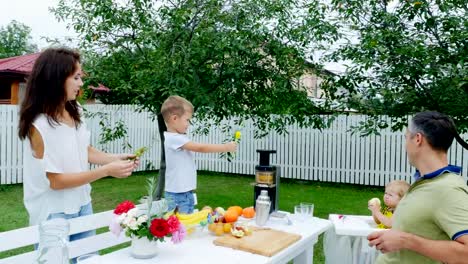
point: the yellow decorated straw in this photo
(139, 152)
(237, 135)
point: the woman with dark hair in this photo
(56, 174)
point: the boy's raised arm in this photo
(210, 148)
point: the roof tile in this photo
(19, 64)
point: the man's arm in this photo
(441, 250)
(210, 148)
(445, 251)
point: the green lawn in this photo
(214, 189)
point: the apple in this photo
(206, 207)
(220, 210)
(375, 201)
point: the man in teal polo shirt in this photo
(430, 224)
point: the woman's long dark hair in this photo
(45, 90)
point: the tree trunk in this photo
(158, 194)
(460, 140)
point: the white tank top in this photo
(65, 151)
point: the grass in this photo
(214, 189)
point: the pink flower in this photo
(123, 207)
(114, 226)
(179, 235)
(173, 223)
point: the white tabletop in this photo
(199, 248)
(353, 225)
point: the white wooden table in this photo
(199, 248)
(346, 242)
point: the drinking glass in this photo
(53, 236)
(308, 210)
(299, 212)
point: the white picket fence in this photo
(331, 155)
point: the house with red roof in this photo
(14, 72)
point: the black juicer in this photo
(267, 178)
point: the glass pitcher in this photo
(53, 237)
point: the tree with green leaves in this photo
(15, 40)
(234, 58)
(403, 57)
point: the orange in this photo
(230, 216)
(248, 212)
(237, 209)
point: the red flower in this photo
(159, 227)
(173, 223)
(123, 207)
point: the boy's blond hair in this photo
(399, 186)
(175, 105)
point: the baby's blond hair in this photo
(175, 105)
(399, 186)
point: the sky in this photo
(35, 14)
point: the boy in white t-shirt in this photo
(181, 171)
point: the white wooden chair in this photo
(30, 235)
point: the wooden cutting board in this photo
(262, 241)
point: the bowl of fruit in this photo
(230, 221)
(221, 221)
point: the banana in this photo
(193, 219)
(191, 216)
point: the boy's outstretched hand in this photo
(231, 146)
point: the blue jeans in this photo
(184, 201)
(84, 210)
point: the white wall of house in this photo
(311, 83)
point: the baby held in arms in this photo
(394, 191)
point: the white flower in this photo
(133, 212)
(128, 220)
(133, 224)
(142, 219)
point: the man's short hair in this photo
(437, 128)
(175, 105)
